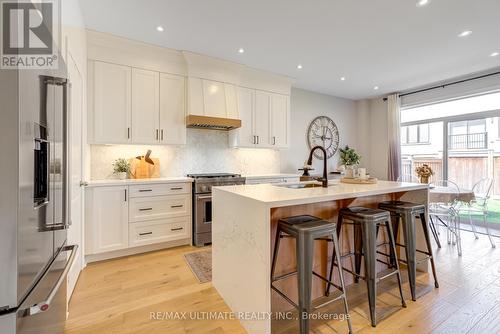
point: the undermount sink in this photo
(299, 185)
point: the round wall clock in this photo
(323, 132)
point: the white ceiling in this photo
(392, 44)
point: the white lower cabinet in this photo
(122, 217)
(161, 230)
(106, 227)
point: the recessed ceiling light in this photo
(494, 54)
(465, 33)
(376, 87)
(160, 28)
(241, 50)
(342, 78)
(422, 3)
(299, 66)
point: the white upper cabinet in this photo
(145, 106)
(280, 120)
(109, 103)
(135, 106)
(265, 119)
(172, 109)
(244, 136)
(262, 118)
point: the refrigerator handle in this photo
(45, 305)
(67, 154)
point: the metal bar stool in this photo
(366, 223)
(407, 212)
(306, 229)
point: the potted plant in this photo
(424, 172)
(121, 168)
(349, 158)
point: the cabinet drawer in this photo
(159, 207)
(150, 232)
(159, 189)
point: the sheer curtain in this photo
(394, 129)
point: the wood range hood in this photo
(212, 123)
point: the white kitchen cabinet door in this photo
(262, 119)
(109, 103)
(106, 219)
(279, 120)
(244, 136)
(214, 99)
(145, 106)
(231, 101)
(172, 109)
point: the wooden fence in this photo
(465, 171)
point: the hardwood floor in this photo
(117, 296)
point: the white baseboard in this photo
(135, 250)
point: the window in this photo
(415, 134)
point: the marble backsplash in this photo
(207, 151)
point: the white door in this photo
(75, 232)
(262, 118)
(107, 219)
(214, 98)
(244, 136)
(172, 109)
(279, 120)
(109, 103)
(145, 106)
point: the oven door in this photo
(203, 212)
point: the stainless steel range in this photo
(202, 202)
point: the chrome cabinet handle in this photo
(257, 140)
(176, 229)
(162, 134)
(145, 190)
(84, 184)
(157, 134)
(176, 188)
(146, 233)
(128, 133)
(176, 206)
(146, 209)
(274, 140)
(125, 195)
(45, 305)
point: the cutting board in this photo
(354, 180)
(140, 169)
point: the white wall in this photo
(374, 139)
(206, 151)
(304, 107)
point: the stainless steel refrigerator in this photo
(34, 200)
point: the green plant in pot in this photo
(121, 168)
(349, 158)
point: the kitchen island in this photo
(244, 224)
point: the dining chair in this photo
(479, 205)
(446, 206)
(408, 178)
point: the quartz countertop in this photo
(116, 182)
(277, 196)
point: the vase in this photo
(349, 172)
(424, 179)
(122, 176)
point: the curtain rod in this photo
(446, 85)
